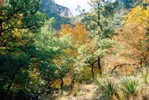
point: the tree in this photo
(19, 14)
(135, 29)
(52, 65)
(78, 32)
(16, 43)
(98, 23)
(85, 51)
(79, 37)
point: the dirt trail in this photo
(85, 92)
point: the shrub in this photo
(130, 86)
(108, 90)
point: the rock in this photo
(49, 6)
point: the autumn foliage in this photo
(78, 33)
(132, 37)
(0, 1)
(38, 58)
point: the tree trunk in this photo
(62, 83)
(98, 15)
(99, 65)
(141, 63)
(92, 70)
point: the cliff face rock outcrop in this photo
(49, 6)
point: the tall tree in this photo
(79, 37)
(98, 23)
(135, 37)
(53, 64)
(18, 21)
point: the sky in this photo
(73, 4)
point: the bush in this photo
(130, 86)
(108, 90)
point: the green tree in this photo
(53, 63)
(101, 31)
(18, 21)
(20, 14)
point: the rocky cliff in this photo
(49, 6)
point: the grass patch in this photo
(130, 86)
(108, 90)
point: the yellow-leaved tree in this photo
(79, 37)
(133, 36)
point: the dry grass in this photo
(92, 91)
(82, 92)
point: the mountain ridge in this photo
(52, 7)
